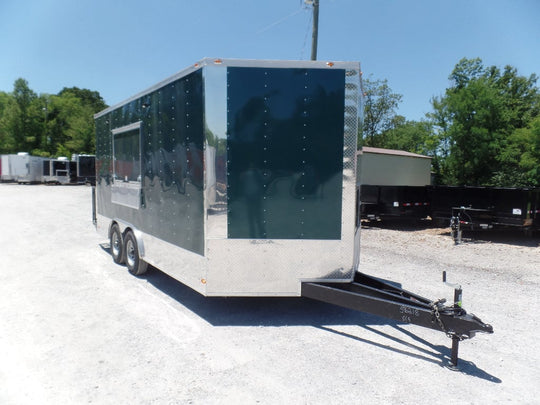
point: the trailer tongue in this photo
(371, 295)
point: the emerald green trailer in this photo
(231, 174)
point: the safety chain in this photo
(435, 308)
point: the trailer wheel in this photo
(135, 265)
(117, 245)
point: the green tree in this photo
(22, 114)
(7, 141)
(475, 120)
(48, 125)
(380, 105)
(520, 157)
(78, 124)
(410, 136)
(88, 98)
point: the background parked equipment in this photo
(482, 208)
(31, 168)
(63, 171)
(5, 171)
(393, 183)
(389, 167)
(410, 202)
(86, 168)
(13, 166)
(47, 171)
(21, 168)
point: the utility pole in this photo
(315, 33)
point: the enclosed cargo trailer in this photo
(6, 174)
(20, 167)
(11, 168)
(32, 171)
(230, 174)
(237, 178)
(62, 171)
(85, 168)
(47, 171)
(4, 167)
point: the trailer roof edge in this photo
(234, 63)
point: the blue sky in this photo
(120, 47)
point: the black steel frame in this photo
(371, 295)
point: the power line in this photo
(279, 21)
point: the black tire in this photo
(135, 265)
(116, 244)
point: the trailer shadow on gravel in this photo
(423, 350)
(299, 311)
(257, 311)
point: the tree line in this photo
(48, 125)
(483, 131)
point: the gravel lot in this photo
(76, 328)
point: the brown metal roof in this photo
(369, 149)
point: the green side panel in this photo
(172, 178)
(285, 152)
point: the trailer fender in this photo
(124, 227)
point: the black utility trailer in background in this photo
(475, 208)
(409, 202)
(86, 168)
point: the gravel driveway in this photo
(76, 328)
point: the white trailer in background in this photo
(4, 168)
(31, 170)
(21, 168)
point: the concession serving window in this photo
(126, 187)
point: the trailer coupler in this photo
(371, 295)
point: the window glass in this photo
(127, 156)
